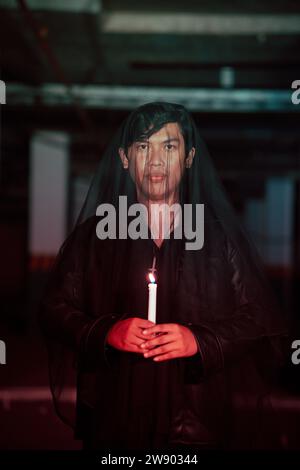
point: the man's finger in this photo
(137, 338)
(166, 348)
(165, 357)
(136, 349)
(162, 328)
(139, 335)
(143, 323)
(162, 339)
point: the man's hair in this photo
(151, 117)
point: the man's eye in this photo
(142, 146)
(170, 146)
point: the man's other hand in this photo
(126, 335)
(173, 341)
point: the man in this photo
(216, 341)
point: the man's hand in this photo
(174, 340)
(126, 335)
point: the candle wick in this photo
(153, 265)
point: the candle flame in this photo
(151, 278)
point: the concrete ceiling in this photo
(210, 45)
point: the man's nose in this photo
(156, 157)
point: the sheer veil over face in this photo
(157, 164)
(158, 156)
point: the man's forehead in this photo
(170, 131)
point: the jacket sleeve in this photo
(63, 318)
(224, 341)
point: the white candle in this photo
(152, 286)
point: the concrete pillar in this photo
(279, 221)
(49, 182)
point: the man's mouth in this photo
(157, 177)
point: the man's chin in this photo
(157, 197)
(157, 194)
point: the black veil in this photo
(199, 184)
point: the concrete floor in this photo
(27, 416)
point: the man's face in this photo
(157, 164)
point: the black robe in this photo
(139, 399)
(127, 401)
